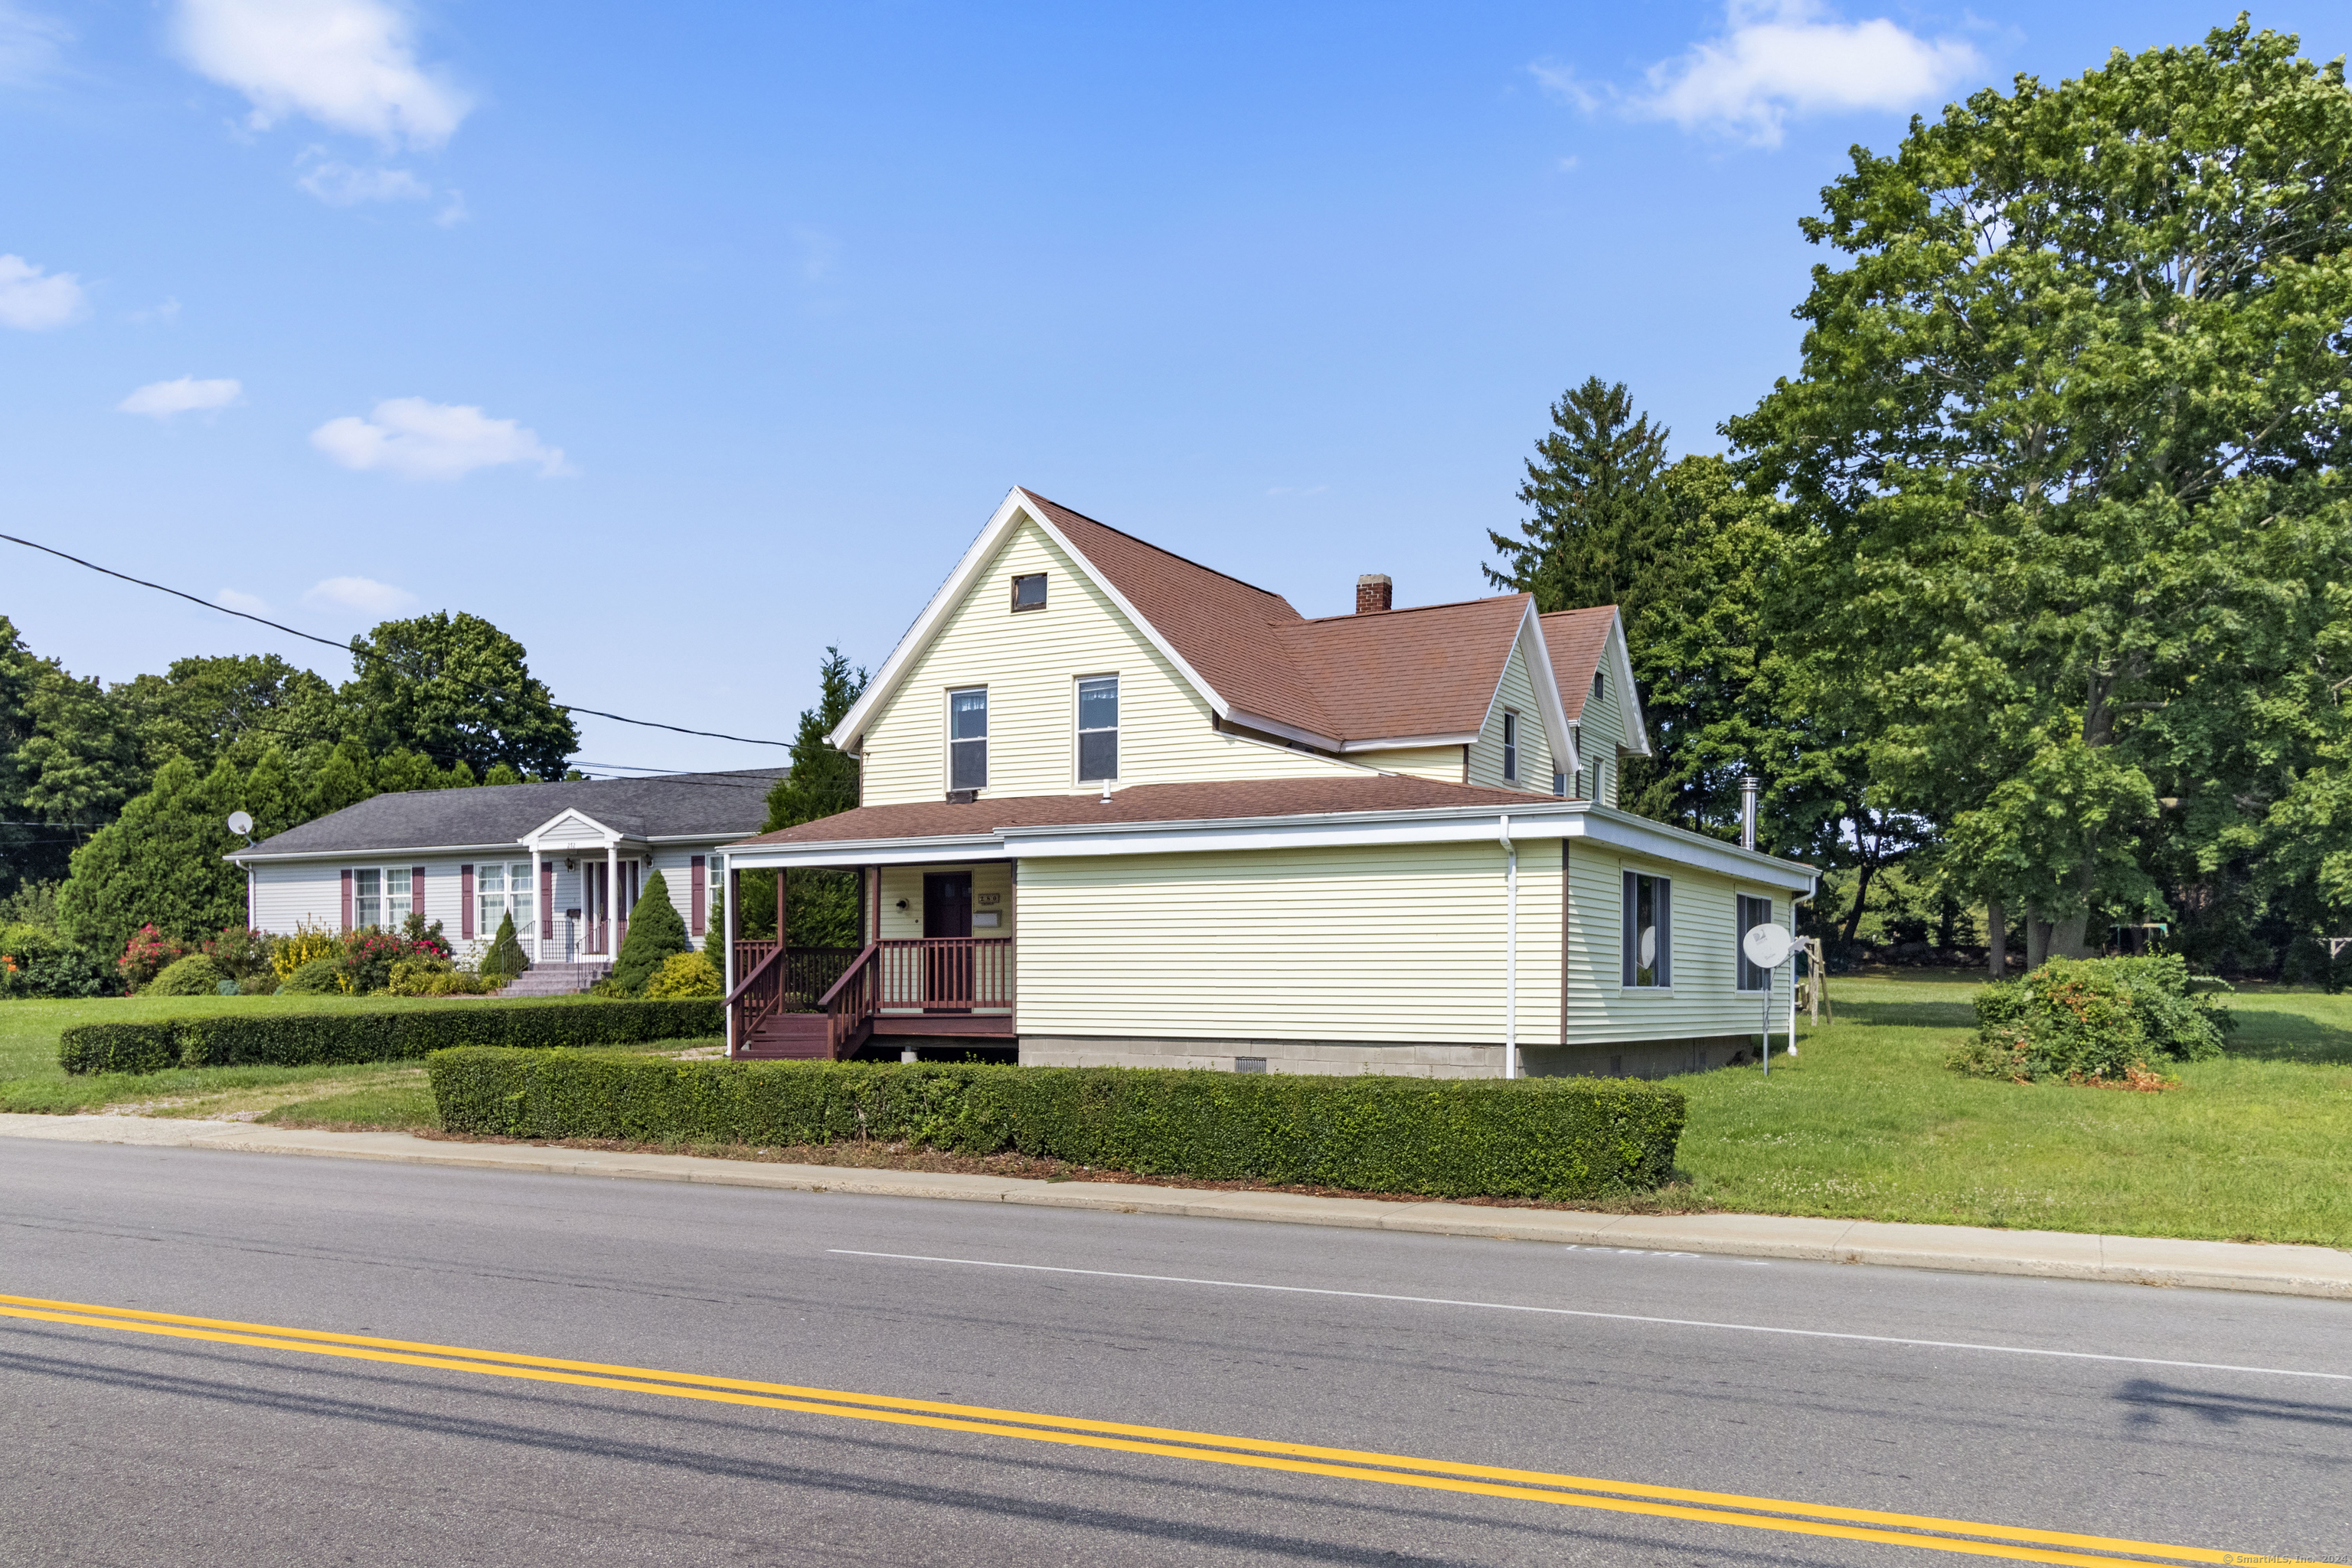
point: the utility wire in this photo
(356, 652)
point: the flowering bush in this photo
(239, 951)
(148, 954)
(288, 954)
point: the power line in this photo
(356, 652)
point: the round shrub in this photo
(262, 983)
(2094, 1020)
(195, 975)
(320, 977)
(684, 975)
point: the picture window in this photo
(1029, 591)
(1753, 912)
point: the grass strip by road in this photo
(1928, 1534)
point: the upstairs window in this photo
(968, 738)
(1559, 781)
(1649, 931)
(1098, 729)
(1029, 591)
(1753, 912)
(1600, 685)
(1510, 745)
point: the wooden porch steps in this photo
(796, 1036)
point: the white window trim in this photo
(1117, 731)
(947, 727)
(1513, 745)
(1625, 868)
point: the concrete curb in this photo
(2046, 1254)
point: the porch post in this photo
(727, 941)
(612, 877)
(780, 875)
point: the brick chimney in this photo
(1373, 594)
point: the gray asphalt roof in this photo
(665, 806)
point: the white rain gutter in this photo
(1510, 952)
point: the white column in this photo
(612, 877)
(1510, 952)
(727, 941)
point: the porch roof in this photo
(1147, 803)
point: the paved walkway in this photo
(2051, 1254)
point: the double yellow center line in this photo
(1299, 1458)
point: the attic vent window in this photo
(1029, 591)
(1600, 685)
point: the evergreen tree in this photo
(506, 955)
(655, 933)
(345, 777)
(821, 907)
(162, 863)
(1599, 512)
(270, 795)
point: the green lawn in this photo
(1868, 1123)
(1865, 1123)
(389, 1094)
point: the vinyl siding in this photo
(1390, 945)
(1601, 729)
(1441, 763)
(1030, 663)
(1516, 692)
(1704, 999)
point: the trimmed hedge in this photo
(309, 1039)
(1541, 1138)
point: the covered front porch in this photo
(933, 962)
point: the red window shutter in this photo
(347, 899)
(416, 890)
(466, 903)
(546, 901)
(698, 899)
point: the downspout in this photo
(1510, 952)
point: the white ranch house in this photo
(568, 860)
(1119, 808)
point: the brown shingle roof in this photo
(1427, 671)
(1147, 802)
(1576, 638)
(1221, 626)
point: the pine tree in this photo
(1600, 514)
(506, 955)
(821, 907)
(655, 933)
(162, 863)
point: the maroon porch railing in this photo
(947, 974)
(809, 972)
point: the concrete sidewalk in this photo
(2055, 1255)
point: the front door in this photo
(947, 920)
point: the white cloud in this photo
(363, 594)
(162, 399)
(33, 299)
(1789, 58)
(349, 64)
(230, 599)
(422, 440)
(31, 45)
(341, 186)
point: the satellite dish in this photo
(240, 822)
(1767, 947)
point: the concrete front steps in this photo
(556, 979)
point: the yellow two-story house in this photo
(1118, 808)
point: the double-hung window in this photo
(1098, 729)
(1649, 931)
(1753, 912)
(1510, 745)
(398, 890)
(968, 738)
(367, 898)
(500, 891)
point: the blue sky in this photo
(682, 340)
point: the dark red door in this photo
(947, 917)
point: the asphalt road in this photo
(129, 1448)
